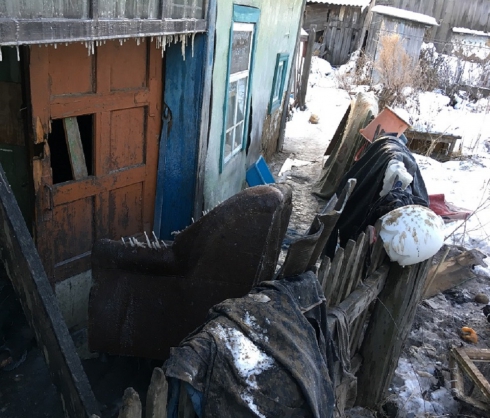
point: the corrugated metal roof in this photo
(358, 3)
(405, 14)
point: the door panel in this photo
(68, 76)
(121, 87)
(126, 205)
(78, 239)
(127, 138)
(128, 65)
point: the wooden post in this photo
(342, 156)
(131, 405)
(388, 329)
(156, 399)
(306, 67)
(40, 306)
(75, 148)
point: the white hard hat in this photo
(411, 234)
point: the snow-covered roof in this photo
(467, 31)
(358, 3)
(405, 14)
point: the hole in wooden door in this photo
(71, 145)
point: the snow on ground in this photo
(464, 181)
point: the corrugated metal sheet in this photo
(358, 3)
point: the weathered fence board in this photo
(333, 275)
(38, 301)
(156, 399)
(388, 328)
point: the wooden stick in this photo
(131, 405)
(156, 399)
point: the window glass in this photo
(277, 89)
(240, 51)
(279, 82)
(242, 95)
(231, 105)
(237, 96)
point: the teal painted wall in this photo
(276, 33)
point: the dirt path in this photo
(307, 142)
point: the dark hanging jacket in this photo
(365, 201)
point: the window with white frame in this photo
(237, 92)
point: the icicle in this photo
(124, 242)
(148, 240)
(164, 245)
(120, 42)
(93, 48)
(138, 40)
(183, 41)
(192, 220)
(131, 242)
(66, 43)
(151, 39)
(156, 244)
(192, 41)
(1, 58)
(55, 46)
(139, 244)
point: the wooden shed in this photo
(387, 20)
(339, 26)
(474, 14)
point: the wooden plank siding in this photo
(59, 21)
(341, 27)
(411, 33)
(106, 9)
(472, 14)
(30, 32)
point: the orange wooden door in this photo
(115, 94)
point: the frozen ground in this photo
(421, 383)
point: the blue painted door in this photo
(179, 142)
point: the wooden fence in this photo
(472, 14)
(368, 297)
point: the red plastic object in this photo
(387, 121)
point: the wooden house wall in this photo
(106, 9)
(59, 21)
(473, 14)
(341, 26)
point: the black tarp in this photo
(268, 354)
(369, 172)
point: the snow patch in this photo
(405, 14)
(248, 359)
